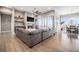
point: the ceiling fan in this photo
(36, 12)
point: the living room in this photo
(39, 28)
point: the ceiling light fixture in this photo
(36, 13)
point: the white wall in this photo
(29, 14)
(12, 22)
(25, 19)
(5, 10)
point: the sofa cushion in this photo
(29, 32)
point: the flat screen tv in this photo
(30, 19)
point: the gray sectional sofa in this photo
(33, 37)
(46, 34)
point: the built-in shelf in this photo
(30, 22)
(19, 19)
(19, 26)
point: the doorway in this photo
(5, 23)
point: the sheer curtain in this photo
(45, 22)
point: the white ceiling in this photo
(62, 10)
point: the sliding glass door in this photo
(67, 21)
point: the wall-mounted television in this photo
(30, 19)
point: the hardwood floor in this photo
(61, 42)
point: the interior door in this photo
(5, 23)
